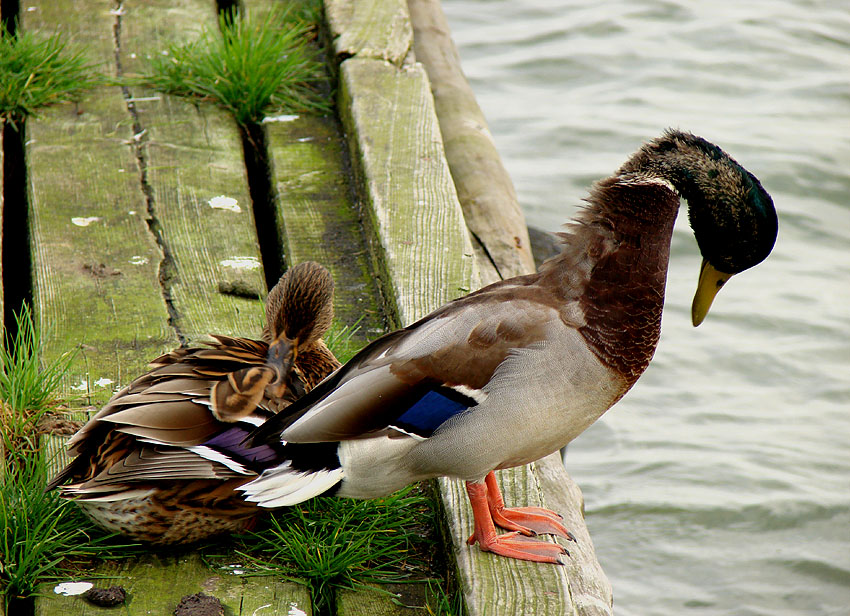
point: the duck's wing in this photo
(414, 380)
(147, 429)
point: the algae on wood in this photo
(193, 160)
(96, 264)
(103, 278)
(386, 600)
(155, 584)
(97, 284)
(316, 207)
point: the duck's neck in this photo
(627, 228)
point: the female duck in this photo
(150, 465)
(516, 370)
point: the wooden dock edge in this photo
(423, 250)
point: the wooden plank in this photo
(322, 222)
(156, 583)
(96, 264)
(590, 588)
(196, 175)
(484, 187)
(378, 29)
(424, 252)
(386, 600)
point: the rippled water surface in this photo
(721, 483)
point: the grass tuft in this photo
(39, 530)
(26, 386)
(342, 543)
(341, 342)
(38, 71)
(251, 68)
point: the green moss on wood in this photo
(96, 264)
(155, 585)
(318, 212)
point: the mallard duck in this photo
(516, 370)
(150, 464)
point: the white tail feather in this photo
(283, 487)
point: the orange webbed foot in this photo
(529, 521)
(514, 544)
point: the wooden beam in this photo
(317, 209)
(484, 187)
(422, 246)
(376, 29)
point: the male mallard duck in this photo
(516, 370)
(149, 464)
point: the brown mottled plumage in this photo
(150, 465)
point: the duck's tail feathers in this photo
(283, 486)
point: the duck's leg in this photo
(529, 521)
(512, 545)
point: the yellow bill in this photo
(710, 281)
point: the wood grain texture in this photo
(96, 265)
(590, 588)
(378, 29)
(156, 583)
(121, 277)
(193, 156)
(484, 187)
(410, 201)
(386, 600)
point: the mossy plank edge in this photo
(422, 247)
(378, 29)
(590, 588)
(485, 189)
(497, 586)
(155, 584)
(193, 156)
(387, 600)
(96, 264)
(316, 207)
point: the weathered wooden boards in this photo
(155, 584)
(484, 187)
(386, 600)
(376, 29)
(421, 246)
(140, 206)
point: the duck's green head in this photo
(732, 216)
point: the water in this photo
(721, 483)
